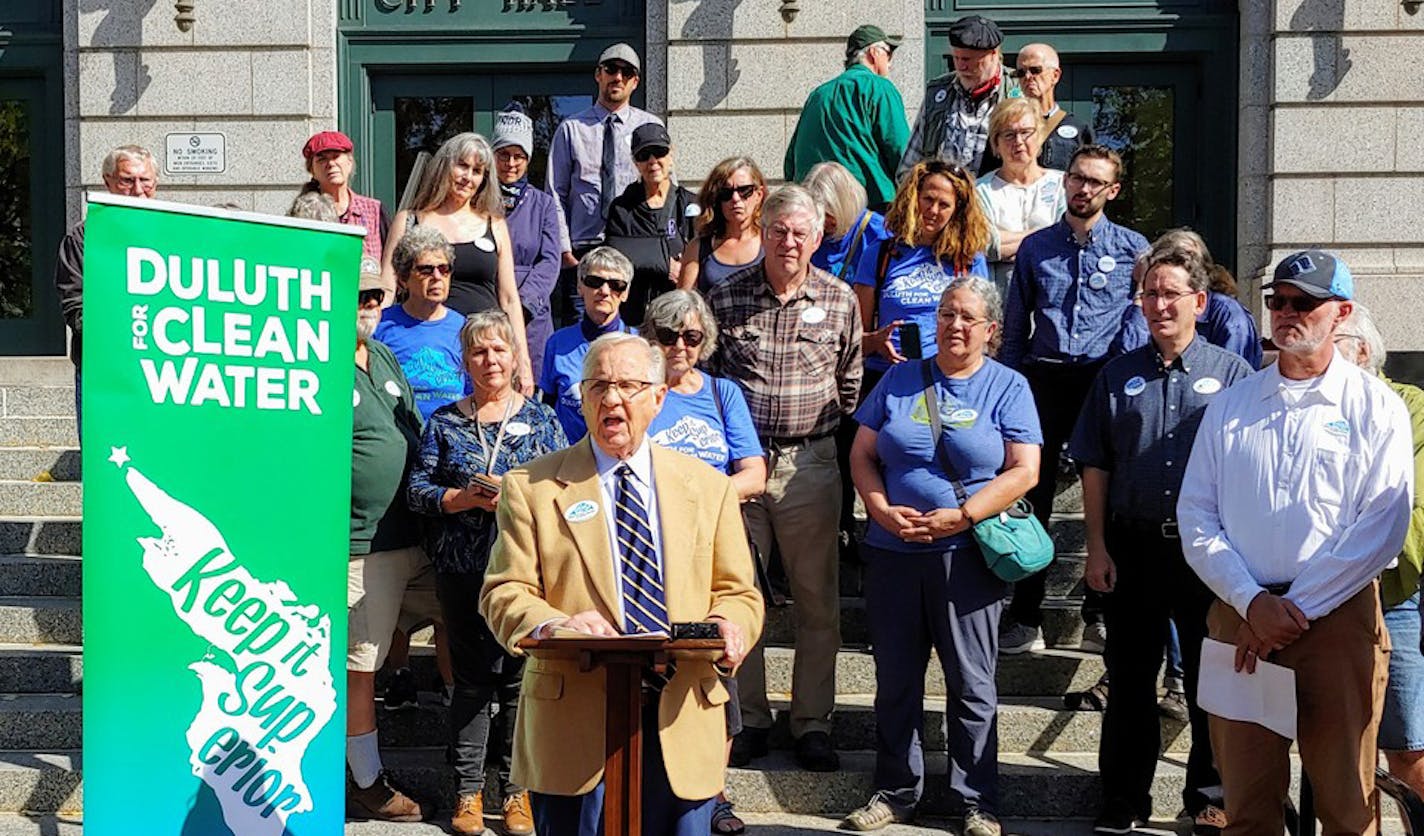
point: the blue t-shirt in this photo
(429, 354)
(834, 255)
(914, 281)
(980, 413)
(563, 369)
(695, 425)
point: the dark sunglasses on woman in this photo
(690, 338)
(725, 193)
(595, 282)
(648, 153)
(428, 270)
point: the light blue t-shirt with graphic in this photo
(979, 413)
(429, 354)
(695, 424)
(563, 370)
(914, 281)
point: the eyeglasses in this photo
(780, 232)
(1091, 185)
(691, 338)
(595, 282)
(428, 270)
(959, 318)
(1027, 71)
(1338, 338)
(627, 389)
(369, 296)
(942, 167)
(725, 193)
(618, 68)
(1022, 134)
(1299, 304)
(1170, 297)
(648, 153)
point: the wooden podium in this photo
(623, 659)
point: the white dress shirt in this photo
(642, 464)
(1302, 482)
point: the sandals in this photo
(1093, 699)
(724, 819)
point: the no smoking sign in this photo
(195, 154)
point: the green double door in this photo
(414, 112)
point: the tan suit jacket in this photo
(545, 567)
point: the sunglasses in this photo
(374, 294)
(595, 282)
(725, 193)
(1027, 71)
(1299, 304)
(619, 68)
(691, 338)
(648, 153)
(428, 270)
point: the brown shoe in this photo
(518, 817)
(469, 818)
(381, 802)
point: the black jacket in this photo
(649, 237)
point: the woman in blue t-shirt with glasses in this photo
(926, 583)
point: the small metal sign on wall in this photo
(188, 153)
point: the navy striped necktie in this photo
(644, 602)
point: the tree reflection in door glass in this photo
(16, 276)
(547, 112)
(423, 124)
(1137, 122)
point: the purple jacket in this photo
(534, 231)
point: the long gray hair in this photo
(435, 180)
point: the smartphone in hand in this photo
(910, 340)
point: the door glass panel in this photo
(423, 124)
(16, 267)
(547, 111)
(1138, 122)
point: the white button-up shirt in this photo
(642, 464)
(1301, 482)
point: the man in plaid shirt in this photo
(791, 339)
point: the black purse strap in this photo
(937, 430)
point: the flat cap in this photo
(975, 32)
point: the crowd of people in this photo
(610, 404)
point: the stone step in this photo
(40, 575)
(37, 401)
(1069, 498)
(41, 722)
(1062, 619)
(40, 620)
(1049, 673)
(36, 371)
(25, 463)
(41, 499)
(41, 432)
(40, 782)
(41, 669)
(41, 535)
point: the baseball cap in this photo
(370, 275)
(1317, 273)
(326, 141)
(513, 127)
(975, 32)
(651, 135)
(624, 53)
(869, 34)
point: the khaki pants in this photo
(800, 512)
(1341, 665)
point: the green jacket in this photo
(1400, 582)
(384, 441)
(856, 119)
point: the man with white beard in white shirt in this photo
(1296, 496)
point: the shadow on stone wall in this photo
(1325, 18)
(122, 24)
(711, 20)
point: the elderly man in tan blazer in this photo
(617, 535)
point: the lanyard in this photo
(498, 439)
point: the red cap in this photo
(326, 141)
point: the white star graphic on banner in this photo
(119, 456)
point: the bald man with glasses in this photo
(1037, 72)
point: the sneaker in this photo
(400, 691)
(1016, 638)
(1173, 706)
(1174, 683)
(1116, 818)
(518, 815)
(814, 753)
(979, 823)
(1209, 821)
(1095, 638)
(381, 802)
(469, 817)
(877, 813)
(748, 745)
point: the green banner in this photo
(217, 466)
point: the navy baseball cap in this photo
(1317, 273)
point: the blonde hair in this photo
(967, 233)
(1009, 111)
(435, 182)
(837, 192)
